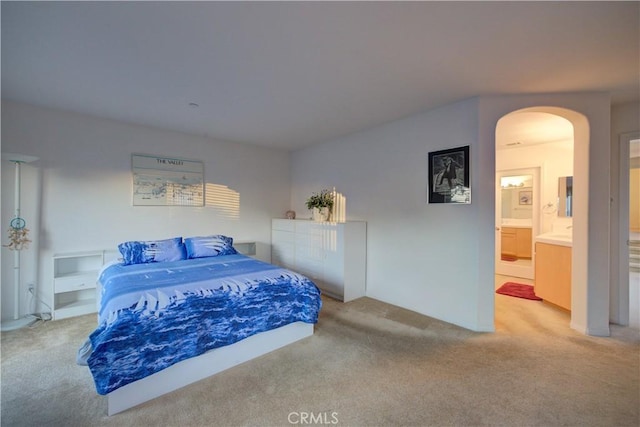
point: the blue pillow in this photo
(206, 246)
(135, 252)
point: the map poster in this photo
(165, 181)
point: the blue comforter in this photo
(155, 315)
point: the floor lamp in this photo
(17, 223)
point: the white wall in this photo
(624, 119)
(555, 160)
(435, 259)
(439, 259)
(28, 258)
(420, 256)
(85, 179)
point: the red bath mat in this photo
(518, 290)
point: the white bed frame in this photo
(197, 368)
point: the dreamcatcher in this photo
(18, 235)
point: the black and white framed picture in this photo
(449, 176)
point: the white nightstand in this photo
(74, 282)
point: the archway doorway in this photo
(541, 139)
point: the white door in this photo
(517, 215)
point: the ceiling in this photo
(291, 74)
(525, 128)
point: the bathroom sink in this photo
(555, 238)
(516, 222)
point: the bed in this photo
(173, 312)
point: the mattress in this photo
(154, 315)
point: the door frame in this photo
(504, 267)
(623, 226)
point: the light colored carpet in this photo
(368, 364)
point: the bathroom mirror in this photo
(565, 196)
(516, 197)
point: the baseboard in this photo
(599, 332)
(23, 322)
(594, 332)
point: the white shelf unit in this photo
(74, 282)
(332, 255)
(245, 248)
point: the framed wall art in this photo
(525, 197)
(165, 181)
(449, 176)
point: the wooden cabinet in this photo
(553, 274)
(332, 255)
(516, 241)
(523, 243)
(74, 282)
(508, 241)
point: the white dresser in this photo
(333, 255)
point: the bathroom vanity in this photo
(553, 268)
(516, 241)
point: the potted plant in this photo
(320, 204)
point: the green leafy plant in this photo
(323, 199)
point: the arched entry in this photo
(580, 219)
(533, 149)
